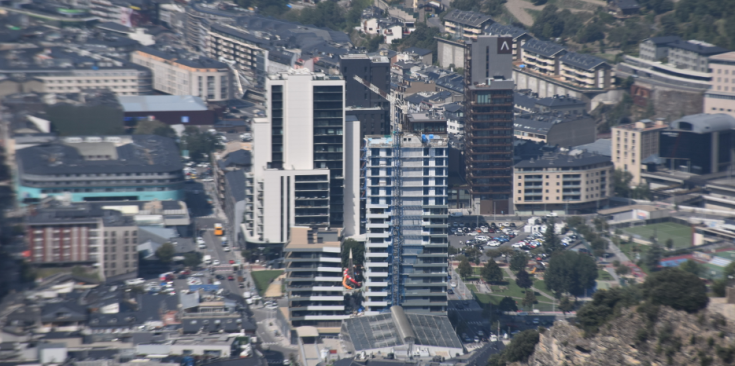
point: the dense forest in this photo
(711, 21)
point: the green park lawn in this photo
(263, 279)
(681, 235)
(603, 275)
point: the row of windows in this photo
(70, 81)
(388, 201)
(126, 241)
(126, 257)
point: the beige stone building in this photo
(120, 241)
(181, 75)
(573, 182)
(720, 98)
(632, 143)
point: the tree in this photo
(604, 304)
(669, 243)
(452, 250)
(422, 37)
(518, 261)
(358, 252)
(691, 267)
(491, 272)
(653, 257)
(622, 270)
(523, 280)
(266, 7)
(552, 243)
(464, 269)
(621, 183)
(493, 7)
(522, 346)
(166, 252)
(570, 272)
(492, 253)
(154, 127)
(529, 299)
(676, 288)
(565, 305)
(375, 42)
(508, 251)
(192, 259)
(248, 255)
(199, 144)
(473, 255)
(507, 304)
(552, 23)
(28, 273)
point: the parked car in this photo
(450, 291)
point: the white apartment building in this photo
(720, 98)
(299, 151)
(314, 279)
(121, 81)
(406, 211)
(634, 142)
(178, 75)
(245, 49)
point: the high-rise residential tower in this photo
(489, 119)
(298, 168)
(407, 243)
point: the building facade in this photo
(298, 174)
(314, 279)
(371, 109)
(119, 246)
(489, 118)
(634, 142)
(407, 243)
(202, 77)
(586, 71)
(520, 36)
(720, 98)
(555, 130)
(373, 69)
(101, 168)
(464, 25)
(656, 48)
(245, 49)
(573, 182)
(543, 57)
(693, 55)
(700, 143)
(82, 233)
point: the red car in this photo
(230, 278)
(232, 261)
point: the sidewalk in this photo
(274, 289)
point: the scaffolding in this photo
(396, 104)
(397, 233)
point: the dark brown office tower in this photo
(489, 122)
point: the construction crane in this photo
(233, 66)
(395, 103)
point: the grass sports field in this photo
(680, 234)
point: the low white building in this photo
(217, 345)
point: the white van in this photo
(207, 259)
(134, 282)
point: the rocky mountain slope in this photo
(654, 337)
